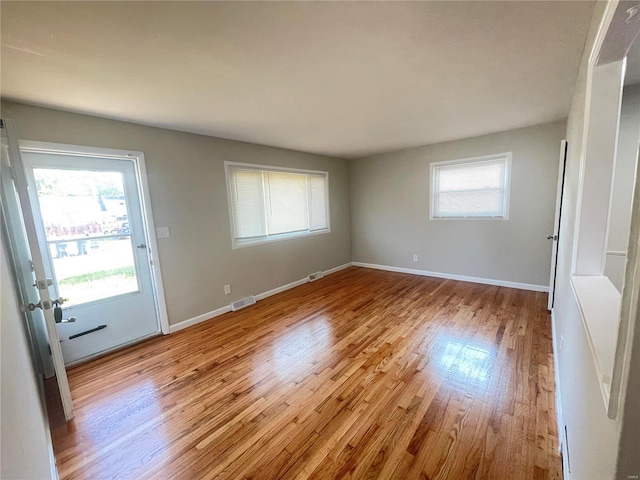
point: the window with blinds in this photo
(268, 203)
(471, 188)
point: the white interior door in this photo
(28, 260)
(554, 237)
(89, 223)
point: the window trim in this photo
(462, 161)
(242, 243)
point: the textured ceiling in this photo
(341, 79)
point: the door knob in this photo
(552, 237)
(141, 246)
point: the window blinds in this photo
(318, 213)
(270, 202)
(470, 189)
(287, 208)
(249, 219)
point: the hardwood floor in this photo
(363, 374)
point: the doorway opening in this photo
(79, 226)
(97, 248)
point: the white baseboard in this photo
(463, 278)
(297, 283)
(227, 308)
(200, 318)
(338, 268)
(288, 286)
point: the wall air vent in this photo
(243, 302)
(315, 276)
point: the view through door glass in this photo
(87, 231)
(89, 220)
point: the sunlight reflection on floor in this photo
(291, 353)
(466, 361)
(141, 403)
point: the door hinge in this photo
(43, 284)
(42, 304)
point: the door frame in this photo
(145, 204)
(562, 170)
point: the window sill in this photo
(477, 217)
(599, 304)
(275, 238)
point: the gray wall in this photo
(622, 191)
(390, 210)
(25, 451)
(188, 194)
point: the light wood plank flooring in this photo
(363, 374)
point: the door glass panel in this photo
(86, 225)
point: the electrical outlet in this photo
(162, 232)
(415, 258)
(227, 289)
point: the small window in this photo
(270, 203)
(471, 188)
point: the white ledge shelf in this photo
(599, 304)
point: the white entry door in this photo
(90, 226)
(19, 229)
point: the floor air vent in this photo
(244, 302)
(315, 276)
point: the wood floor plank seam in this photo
(362, 374)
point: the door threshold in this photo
(117, 348)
